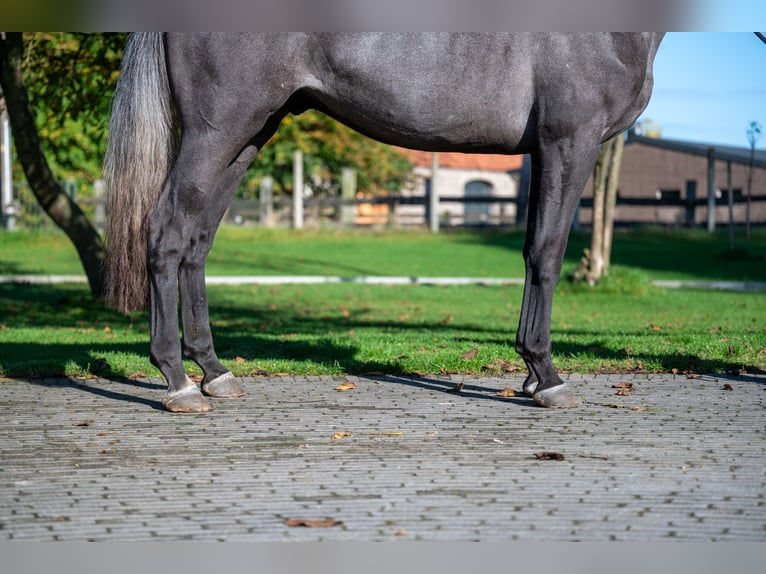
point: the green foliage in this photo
(71, 78)
(328, 147)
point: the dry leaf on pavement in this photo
(347, 386)
(326, 523)
(548, 455)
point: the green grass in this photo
(624, 324)
(251, 251)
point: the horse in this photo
(191, 111)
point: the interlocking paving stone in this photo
(99, 459)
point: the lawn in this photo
(624, 324)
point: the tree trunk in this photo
(617, 144)
(61, 209)
(606, 177)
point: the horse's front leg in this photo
(559, 173)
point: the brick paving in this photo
(680, 458)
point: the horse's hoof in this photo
(187, 400)
(558, 397)
(224, 386)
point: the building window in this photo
(668, 194)
(476, 212)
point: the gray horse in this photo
(554, 96)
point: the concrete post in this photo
(7, 209)
(99, 213)
(266, 201)
(347, 195)
(298, 190)
(711, 190)
(433, 199)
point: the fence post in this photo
(711, 190)
(99, 211)
(298, 189)
(525, 178)
(7, 209)
(690, 198)
(433, 198)
(347, 195)
(266, 201)
(730, 201)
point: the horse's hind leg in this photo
(181, 232)
(559, 173)
(197, 337)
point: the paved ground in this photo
(99, 460)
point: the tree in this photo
(328, 146)
(596, 260)
(31, 154)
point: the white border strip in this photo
(386, 280)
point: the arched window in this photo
(476, 212)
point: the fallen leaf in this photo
(239, 359)
(401, 532)
(693, 376)
(83, 423)
(347, 386)
(623, 385)
(506, 393)
(500, 364)
(470, 354)
(624, 393)
(341, 434)
(457, 388)
(655, 327)
(326, 523)
(548, 455)
(639, 409)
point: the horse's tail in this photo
(138, 158)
